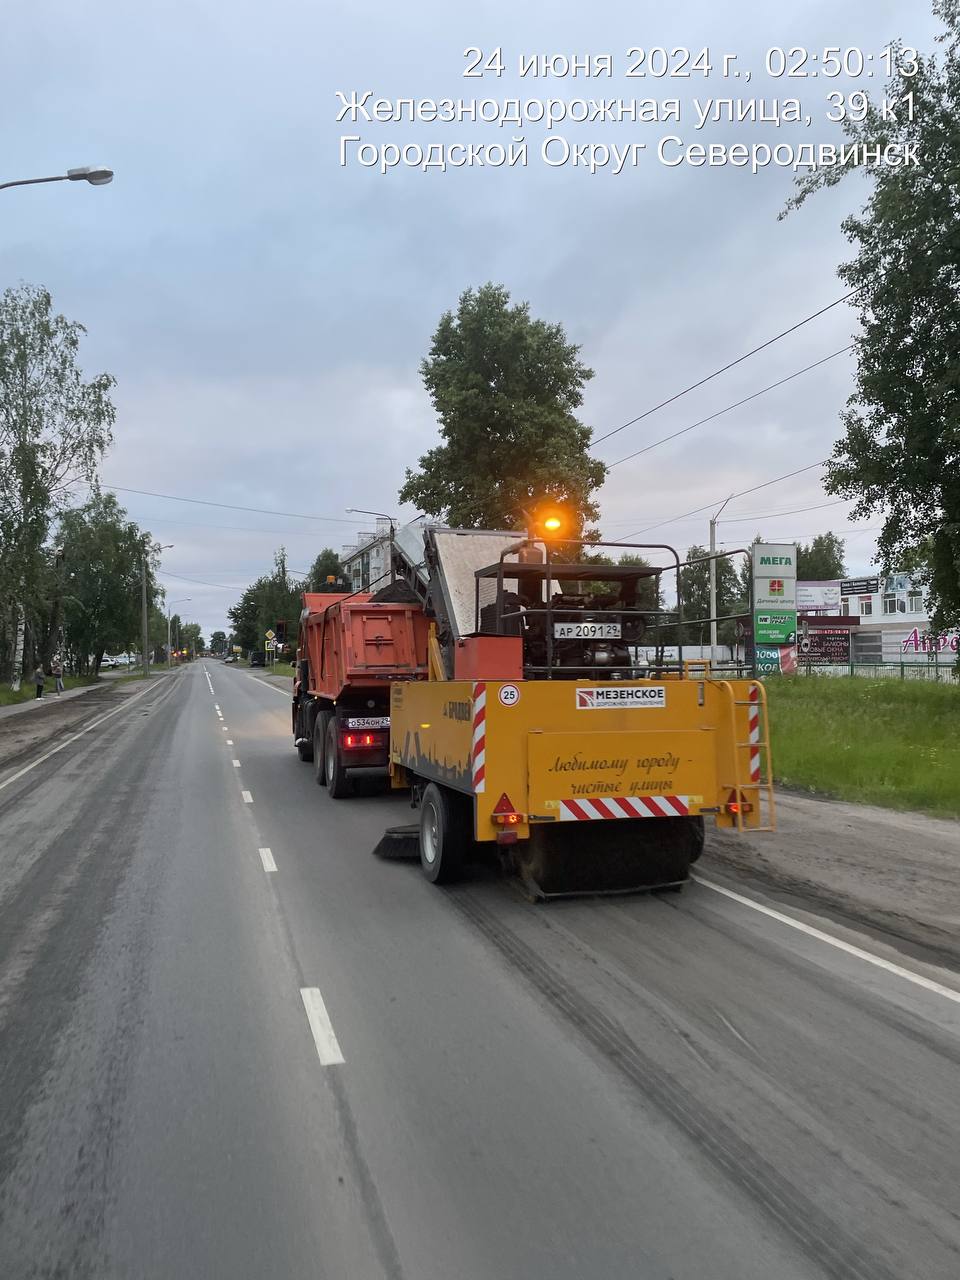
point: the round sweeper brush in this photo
(614, 856)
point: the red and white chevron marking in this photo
(479, 736)
(754, 735)
(588, 808)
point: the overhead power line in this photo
(708, 506)
(229, 506)
(775, 515)
(730, 407)
(221, 586)
(733, 363)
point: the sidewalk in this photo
(51, 696)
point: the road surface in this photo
(235, 1044)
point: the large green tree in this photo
(900, 452)
(821, 560)
(191, 638)
(102, 553)
(54, 428)
(695, 588)
(327, 565)
(218, 642)
(506, 388)
(270, 599)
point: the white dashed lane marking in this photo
(328, 1050)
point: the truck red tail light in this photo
(357, 741)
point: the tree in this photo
(695, 589)
(191, 639)
(244, 615)
(327, 565)
(899, 454)
(101, 583)
(505, 388)
(54, 427)
(648, 593)
(822, 560)
(265, 602)
(218, 642)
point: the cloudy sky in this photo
(264, 308)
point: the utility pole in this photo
(143, 610)
(713, 581)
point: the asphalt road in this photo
(677, 1087)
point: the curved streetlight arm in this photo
(96, 178)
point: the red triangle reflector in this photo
(504, 805)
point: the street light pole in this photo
(713, 581)
(97, 177)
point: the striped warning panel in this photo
(479, 752)
(754, 727)
(588, 808)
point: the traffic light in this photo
(281, 632)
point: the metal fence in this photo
(945, 673)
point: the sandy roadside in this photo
(898, 873)
(45, 722)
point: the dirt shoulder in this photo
(896, 873)
(44, 722)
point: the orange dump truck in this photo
(350, 649)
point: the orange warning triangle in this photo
(504, 805)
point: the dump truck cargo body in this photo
(350, 649)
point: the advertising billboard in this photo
(859, 586)
(774, 593)
(825, 646)
(823, 596)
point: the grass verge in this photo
(885, 742)
(29, 690)
(156, 668)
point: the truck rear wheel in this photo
(444, 833)
(319, 737)
(338, 782)
(699, 837)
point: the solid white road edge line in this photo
(328, 1050)
(247, 797)
(266, 857)
(284, 693)
(46, 756)
(927, 983)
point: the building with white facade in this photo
(893, 622)
(366, 564)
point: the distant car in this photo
(258, 659)
(231, 657)
(109, 664)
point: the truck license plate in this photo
(586, 631)
(368, 722)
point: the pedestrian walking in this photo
(57, 670)
(38, 679)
